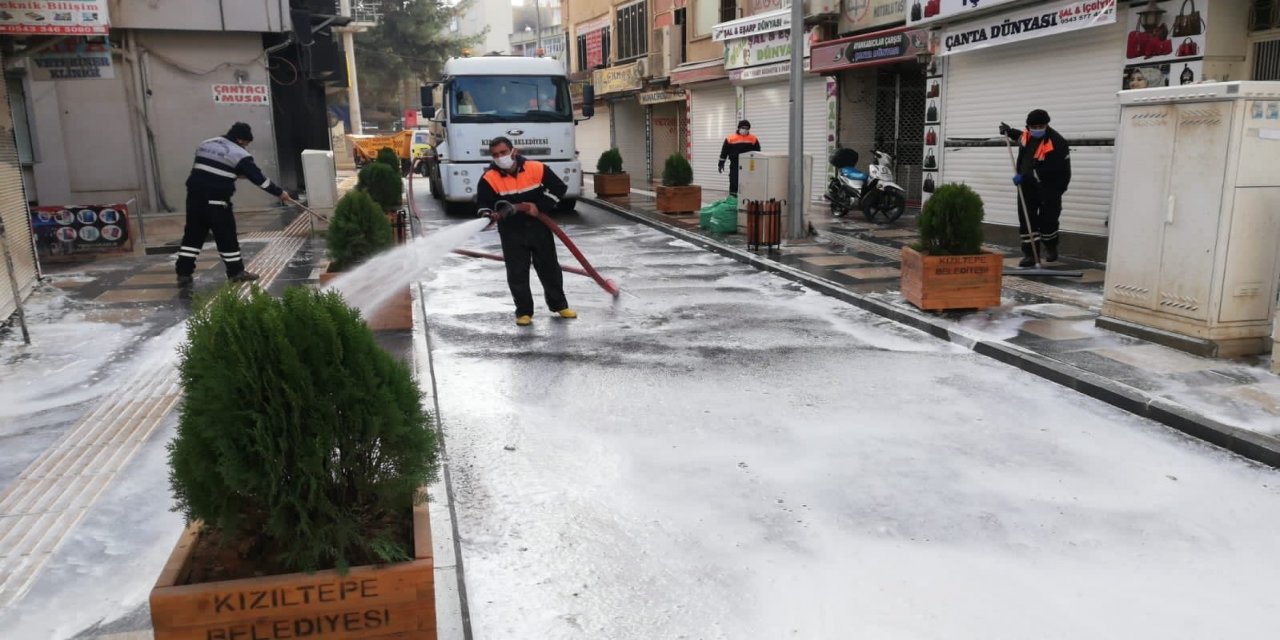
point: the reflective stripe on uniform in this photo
(221, 203)
(265, 184)
(215, 171)
(529, 179)
(189, 251)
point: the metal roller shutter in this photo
(628, 135)
(13, 208)
(712, 117)
(768, 107)
(593, 138)
(1078, 89)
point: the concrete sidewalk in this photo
(1044, 326)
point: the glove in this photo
(1004, 129)
(1017, 179)
(721, 166)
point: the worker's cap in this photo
(240, 131)
(744, 124)
(1037, 118)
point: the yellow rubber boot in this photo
(524, 321)
(568, 313)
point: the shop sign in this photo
(55, 17)
(868, 50)
(857, 15)
(762, 71)
(250, 94)
(763, 48)
(922, 11)
(615, 79)
(699, 73)
(743, 27)
(811, 7)
(63, 230)
(658, 97)
(74, 60)
(1033, 22)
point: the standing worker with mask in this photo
(735, 145)
(531, 187)
(1042, 172)
(219, 163)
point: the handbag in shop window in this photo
(1188, 24)
(930, 161)
(932, 8)
(915, 11)
(1188, 48)
(928, 184)
(932, 114)
(931, 138)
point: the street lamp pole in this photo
(795, 181)
(537, 17)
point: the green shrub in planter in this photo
(951, 222)
(357, 230)
(299, 440)
(610, 162)
(384, 185)
(677, 172)
(387, 156)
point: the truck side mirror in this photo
(589, 101)
(428, 108)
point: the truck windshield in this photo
(510, 99)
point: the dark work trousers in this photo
(733, 175)
(527, 241)
(1043, 208)
(205, 214)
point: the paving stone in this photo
(1265, 396)
(1158, 359)
(150, 279)
(138, 295)
(871, 273)
(1055, 329)
(893, 233)
(1055, 311)
(832, 261)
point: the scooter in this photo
(877, 195)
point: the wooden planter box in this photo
(395, 315)
(395, 601)
(679, 199)
(936, 283)
(612, 185)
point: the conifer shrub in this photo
(299, 439)
(677, 172)
(387, 156)
(357, 230)
(384, 185)
(951, 222)
(610, 162)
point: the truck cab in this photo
(478, 99)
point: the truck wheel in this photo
(437, 190)
(460, 209)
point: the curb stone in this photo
(1247, 444)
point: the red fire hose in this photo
(587, 270)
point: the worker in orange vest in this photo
(740, 142)
(1042, 173)
(532, 188)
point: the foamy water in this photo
(375, 282)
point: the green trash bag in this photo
(720, 216)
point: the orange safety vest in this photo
(738, 138)
(528, 179)
(1045, 148)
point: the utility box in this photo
(764, 176)
(1194, 250)
(321, 179)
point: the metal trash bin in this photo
(764, 224)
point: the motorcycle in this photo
(877, 195)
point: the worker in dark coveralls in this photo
(219, 163)
(532, 188)
(735, 145)
(1043, 173)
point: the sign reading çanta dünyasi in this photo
(1033, 22)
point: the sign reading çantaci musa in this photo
(54, 17)
(1034, 22)
(248, 94)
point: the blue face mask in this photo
(1038, 134)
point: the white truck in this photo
(478, 99)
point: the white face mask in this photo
(505, 162)
(743, 132)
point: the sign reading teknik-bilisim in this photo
(253, 94)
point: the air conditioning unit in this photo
(642, 66)
(668, 46)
